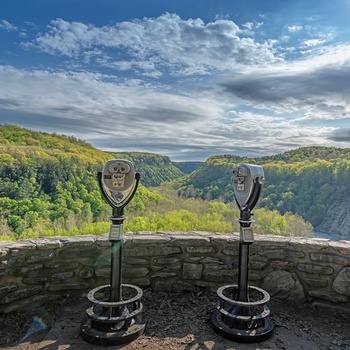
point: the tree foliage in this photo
(212, 216)
(48, 187)
(47, 182)
(306, 181)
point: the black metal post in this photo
(116, 258)
(116, 273)
(116, 277)
(243, 262)
(243, 272)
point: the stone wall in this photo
(34, 271)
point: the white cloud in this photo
(88, 106)
(134, 116)
(294, 28)
(315, 88)
(257, 134)
(252, 25)
(7, 26)
(313, 42)
(168, 41)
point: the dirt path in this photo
(176, 321)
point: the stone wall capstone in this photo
(34, 271)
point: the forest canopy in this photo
(48, 187)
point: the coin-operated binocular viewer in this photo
(113, 318)
(242, 312)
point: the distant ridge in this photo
(188, 167)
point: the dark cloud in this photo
(45, 122)
(159, 114)
(340, 135)
(9, 102)
(303, 86)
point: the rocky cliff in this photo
(337, 221)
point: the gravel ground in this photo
(176, 321)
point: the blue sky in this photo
(187, 79)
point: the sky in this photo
(188, 79)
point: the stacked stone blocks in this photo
(299, 269)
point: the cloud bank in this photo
(184, 88)
(182, 46)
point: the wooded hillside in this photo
(306, 181)
(47, 183)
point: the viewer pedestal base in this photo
(112, 323)
(246, 322)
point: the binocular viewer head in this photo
(247, 181)
(117, 181)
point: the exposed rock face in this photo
(337, 221)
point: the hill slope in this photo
(308, 181)
(47, 181)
